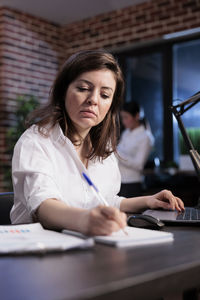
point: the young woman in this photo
(134, 148)
(77, 132)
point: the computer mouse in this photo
(144, 221)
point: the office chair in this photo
(6, 203)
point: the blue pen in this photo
(97, 193)
(95, 190)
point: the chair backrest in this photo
(6, 203)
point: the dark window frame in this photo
(165, 48)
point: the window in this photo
(186, 82)
(157, 76)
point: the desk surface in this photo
(105, 272)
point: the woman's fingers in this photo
(169, 201)
(181, 204)
(115, 215)
(109, 227)
(172, 199)
(103, 220)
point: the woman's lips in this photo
(88, 113)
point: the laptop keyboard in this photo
(190, 213)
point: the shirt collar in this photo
(57, 134)
(138, 129)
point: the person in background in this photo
(134, 148)
(76, 132)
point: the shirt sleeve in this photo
(116, 201)
(33, 174)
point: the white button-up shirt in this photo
(49, 167)
(133, 149)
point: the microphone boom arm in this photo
(178, 110)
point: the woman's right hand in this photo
(102, 220)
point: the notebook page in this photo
(135, 237)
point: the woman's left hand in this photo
(166, 200)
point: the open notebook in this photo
(135, 237)
(35, 239)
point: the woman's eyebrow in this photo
(85, 81)
(90, 83)
(107, 88)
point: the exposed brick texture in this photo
(147, 21)
(32, 49)
(29, 59)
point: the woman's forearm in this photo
(54, 214)
(100, 220)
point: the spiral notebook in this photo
(134, 237)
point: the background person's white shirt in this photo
(134, 148)
(49, 167)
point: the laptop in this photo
(191, 215)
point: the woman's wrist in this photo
(148, 202)
(82, 222)
(135, 204)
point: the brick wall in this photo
(29, 60)
(144, 22)
(31, 49)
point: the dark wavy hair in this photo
(134, 108)
(131, 107)
(103, 137)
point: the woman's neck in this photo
(82, 150)
(82, 144)
(134, 126)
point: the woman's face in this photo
(128, 120)
(88, 99)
